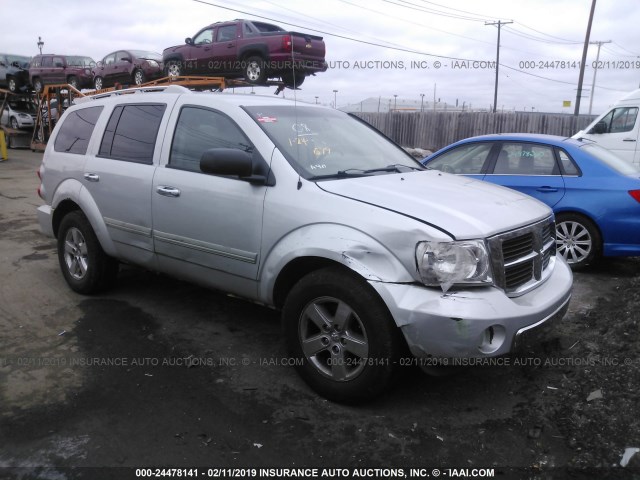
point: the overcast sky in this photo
(543, 33)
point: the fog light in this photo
(492, 339)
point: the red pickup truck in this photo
(254, 50)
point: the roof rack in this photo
(128, 91)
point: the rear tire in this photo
(138, 77)
(98, 83)
(173, 69)
(254, 70)
(342, 336)
(85, 266)
(578, 240)
(73, 81)
(37, 85)
(12, 84)
(293, 79)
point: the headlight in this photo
(152, 63)
(444, 264)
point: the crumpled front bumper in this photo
(476, 322)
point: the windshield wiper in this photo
(397, 167)
(352, 172)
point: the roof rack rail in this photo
(176, 89)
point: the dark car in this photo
(254, 50)
(127, 67)
(74, 70)
(13, 72)
(594, 194)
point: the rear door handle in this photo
(168, 191)
(546, 189)
(628, 139)
(92, 177)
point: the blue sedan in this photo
(595, 195)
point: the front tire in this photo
(14, 123)
(85, 266)
(342, 336)
(12, 85)
(577, 240)
(255, 71)
(98, 83)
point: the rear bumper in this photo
(45, 219)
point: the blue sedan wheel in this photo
(577, 240)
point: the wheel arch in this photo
(584, 214)
(258, 50)
(71, 196)
(323, 245)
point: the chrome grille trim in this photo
(523, 258)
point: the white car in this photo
(19, 114)
(307, 210)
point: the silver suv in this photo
(307, 210)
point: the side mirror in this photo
(231, 161)
(600, 127)
(188, 41)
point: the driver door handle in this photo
(167, 191)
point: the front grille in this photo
(523, 258)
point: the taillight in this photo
(635, 194)
(286, 43)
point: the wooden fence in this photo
(434, 130)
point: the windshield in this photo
(81, 61)
(147, 55)
(611, 159)
(21, 106)
(23, 62)
(324, 143)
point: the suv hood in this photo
(462, 207)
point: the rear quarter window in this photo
(76, 130)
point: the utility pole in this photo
(576, 112)
(595, 71)
(495, 93)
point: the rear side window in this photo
(75, 132)
(525, 159)
(197, 131)
(131, 133)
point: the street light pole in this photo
(335, 99)
(395, 102)
(40, 44)
(421, 102)
(595, 71)
(316, 99)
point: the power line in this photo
(402, 49)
